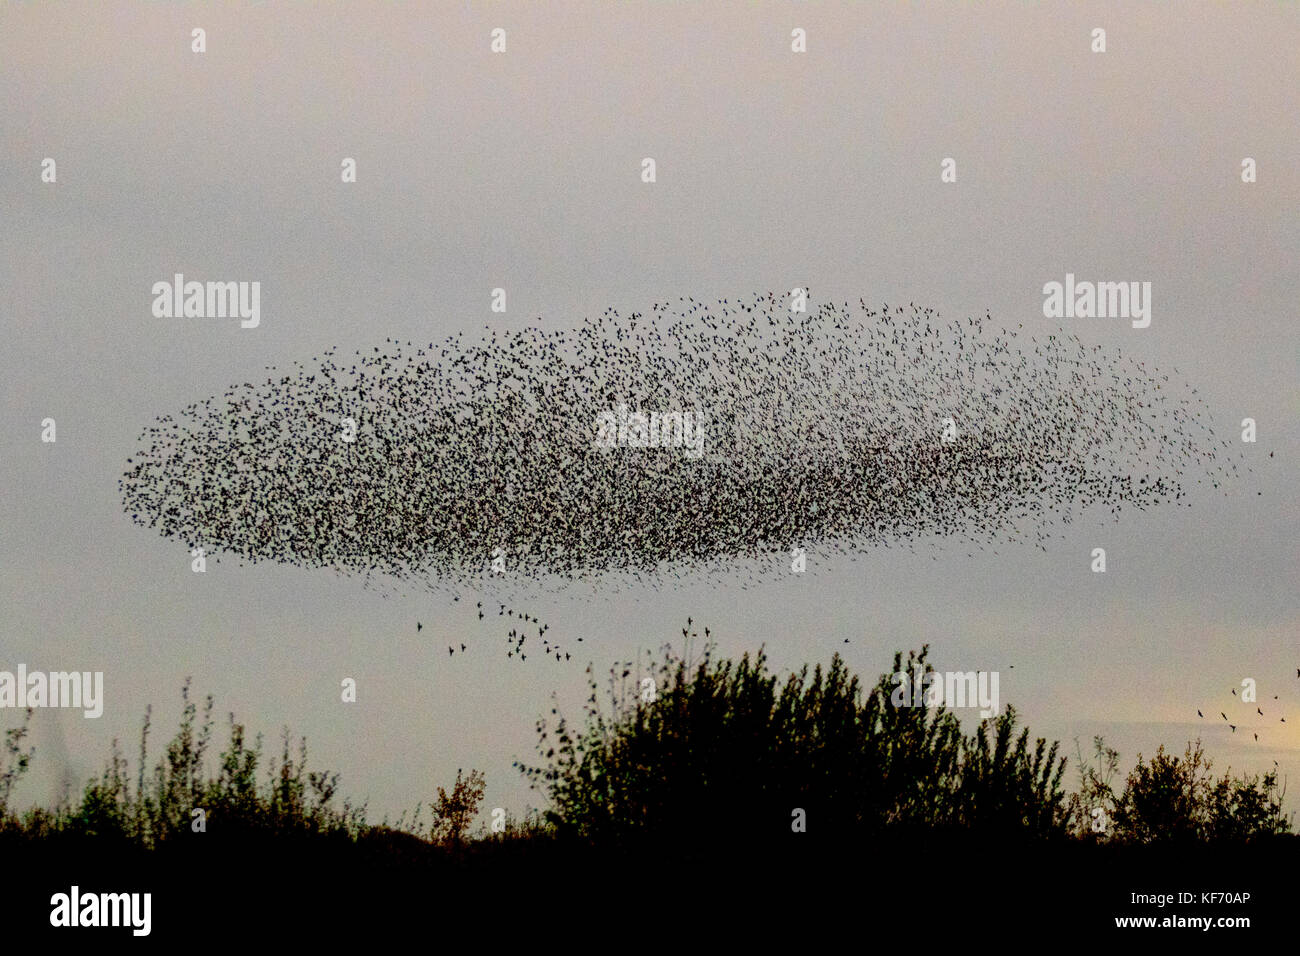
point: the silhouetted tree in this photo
(1172, 799)
(720, 750)
(14, 763)
(453, 814)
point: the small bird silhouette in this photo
(418, 627)
(1199, 714)
(1234, 727)
(450, 651)
(1223, 715)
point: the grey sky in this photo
(521, 170)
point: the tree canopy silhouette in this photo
(722, 749)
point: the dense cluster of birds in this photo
(831, 429)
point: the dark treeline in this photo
(708, 773)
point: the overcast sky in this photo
(522, 170)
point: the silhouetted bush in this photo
(722, 753)
(691, 755)
(159, 808)
(1176, 800)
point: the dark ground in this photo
(924, 888)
